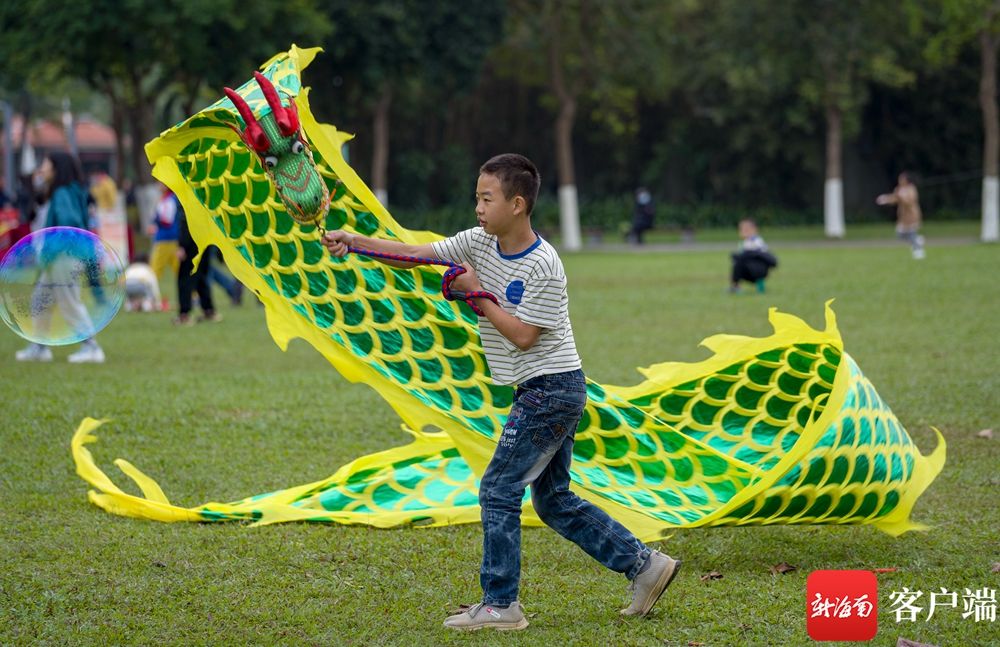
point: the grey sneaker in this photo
(648, 586)
(483, 615)
(34, 353)
(88, 353)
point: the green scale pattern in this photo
(682, 454)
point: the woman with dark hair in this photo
(60, 169)
(67, 207)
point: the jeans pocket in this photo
(530, 397)
(558, 419)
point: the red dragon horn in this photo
(287, 120)
(254, 135)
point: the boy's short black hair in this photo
(517, 175)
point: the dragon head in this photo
(277, 140)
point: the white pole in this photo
(833, 207)
(569, 218)
(991, 209)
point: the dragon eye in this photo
(270, 161)
(298, 147)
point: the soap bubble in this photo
(60, 285)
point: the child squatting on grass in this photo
(528, 342)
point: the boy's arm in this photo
(339, 240)
(523, 335)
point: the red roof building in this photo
(95, 142)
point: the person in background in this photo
(908, 214)
(165, 230)
(60, 180)
(9, 219)
(5, 198)
(221, 278)
(190, 279)
(142, 290)
(752, 261)
(643, 214)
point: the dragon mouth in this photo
(297, 182)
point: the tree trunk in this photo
(564, 141)
(118, 126)
(991, 136)
(139, 113)
(569, 216)
(833, 193)
(380, 143)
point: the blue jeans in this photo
(536, 449)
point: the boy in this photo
(528, 342)
(752, 261)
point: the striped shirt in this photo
(531, 286)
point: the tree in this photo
(950, 26)
(139, 53)
(829, 51)
(387, 48)
(586, 51)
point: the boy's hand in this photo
(467, 282)
(338, 241)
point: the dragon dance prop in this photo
(783, 429)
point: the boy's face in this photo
(747, 229)
(496, 214)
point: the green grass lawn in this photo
(217, 412)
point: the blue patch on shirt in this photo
(515, 290)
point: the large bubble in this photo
(60, 286)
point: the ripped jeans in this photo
(536, 449)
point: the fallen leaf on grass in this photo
(782, 568)
(692, 643)
(903, 642)
(714, 575)
(985, 433)
(996, 567)
(892, 569)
